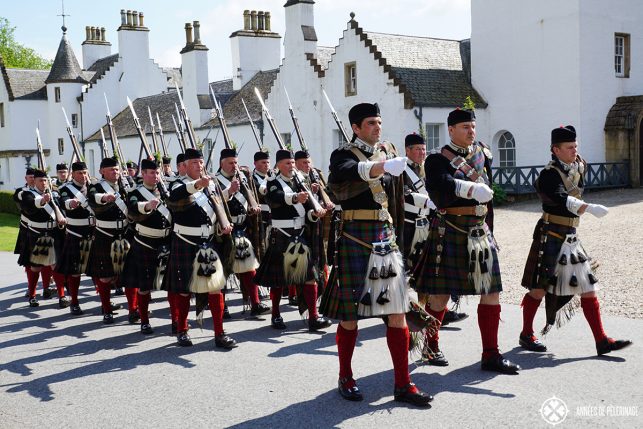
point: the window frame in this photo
(504, 151)
(57, 94)
(430, 138)
(74, 120)
(1, 115)
(61, 146)
(350, 79)
(622, 54)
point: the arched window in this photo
(507, 150)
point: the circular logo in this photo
(554, 411)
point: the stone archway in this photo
(624, 135)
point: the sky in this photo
(38, 24)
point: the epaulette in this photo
(486, 150)
(435, 151)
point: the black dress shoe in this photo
(349, 390)
(113, 307)
(498, 364)
(134, 317)
(319, 323)
(146, 329)
(184, 339)
(174, 328)
(531, 343)
(33, 302)
(108, 319)
(610, 345)
(63, 302)
(259, 309)
(411, 394)
(278, 323)
(292, 300)
(452, 317)
(226, 313)
(119, 291)
(46, 293)
(435, 358)
(75, 310)
(224, 342)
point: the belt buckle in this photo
(421, 222)
(92, 220)
(382, 215)
(480, 210)
(382, 248)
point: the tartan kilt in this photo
(69, 260)
(271, 270)
(141, 262)
(29, 241)
(551, 250)
(181, 262)
(20, 240)
(100, 260)
(342, 295)
(453, 271)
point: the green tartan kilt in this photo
(344, 290)
(452, 276)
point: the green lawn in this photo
(8, 231)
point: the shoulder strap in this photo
(379, 195)
(459, 163)
(571, 189)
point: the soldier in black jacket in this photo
(558, 266)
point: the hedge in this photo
(7, 205)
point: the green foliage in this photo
(15, 55)
(499, 195)
(469, 104)
(7, 205)
(8, 231)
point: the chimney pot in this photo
(129, 18)
(102, 34)
(253, 20)
(197, 32)
(260, 21)
(188, 34)
(267, 18)
(123, 17)
(140, 19)
(246, 20)
(135, 18)
(92, 33)
(87, 33)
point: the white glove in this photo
(395, 166)
(482, 192)
(597, 210)
(574, 204)
(430, 205)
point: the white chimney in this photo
(95, 46)
(300, 37)
(255, 48)
(194, 70)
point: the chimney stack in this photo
(194, 71)
(95, 46)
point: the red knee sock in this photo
(73, 283)
(46, 276)
(433, 340)
(345, 340)
(310, 295)
(592, 311)
(171, 299)
(104, 291)
(59, 280)
(292, 291)
(32, 281)
(251, 289)
(488, 321)
(275, 297)
(182, 302)
(529, 308)
(131, 293)
(216, 308)
(398, 345)
(143, 305)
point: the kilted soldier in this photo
(41, 216)
(370, 279)
(244, 261)
(171, 296)
(22, 229)
(287, 260)
(558, 267)
(78, 232)
(460, 257)
(260, 176)
(195, 265)
(132, 174)
(107, 199)
(62, 175)
(167, 167)
(147, 259)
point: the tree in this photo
(15, 55)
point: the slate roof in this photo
(101, 66)
(65, 67)
(25, 84)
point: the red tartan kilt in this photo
(140, 265)
(69, 258)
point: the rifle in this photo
(252, 125)
(74, 141)
(42, 164)
(153, 128)
(103, 145)
(116, 147)
(314, 176)
(219, 203)
(338, 121)
(275, 131)
(161, 136)
(243, 182)
(179, 135)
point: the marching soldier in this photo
(460, 256)
(260, 177)
(558, 267)
(78, 232)
(107, 199)
(244, 261)
(40, 215)
(147, 259)
(167, 167)
(287, 260)
(133, 178)
(22, 229)
(370, 279)
(194, 265)
(62, 175)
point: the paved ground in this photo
(59, 371)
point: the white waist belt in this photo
(264, 207)
(296, 223)
(42, 225)
(195, 231)
(111, 224)
(78, 222)
(151, 232)
(238, 220)
(416, 210)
